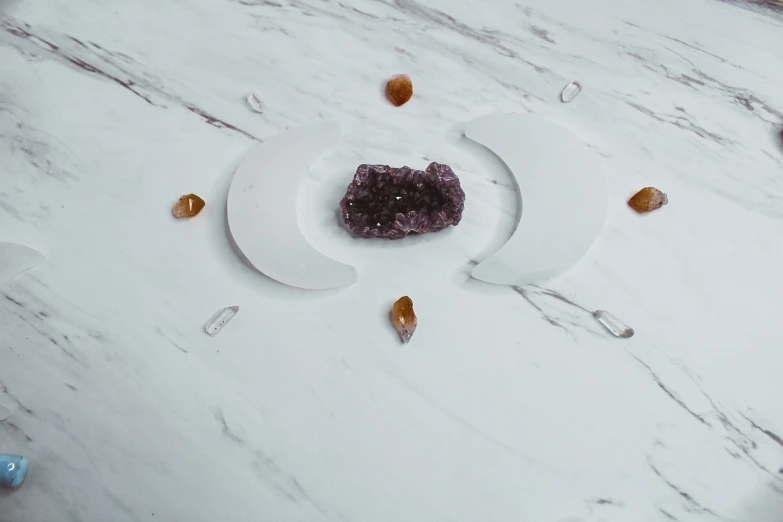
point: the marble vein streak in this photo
(115, 67)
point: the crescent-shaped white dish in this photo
(15, 259)
(262, 209)
(563, 195)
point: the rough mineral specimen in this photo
(403, 318)
(399, 89)
(386, 202)
(647, 199)
(187, 206)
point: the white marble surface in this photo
(507, 405)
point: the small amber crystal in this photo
(648, 199)
(403, 318)
(399, 89)
(188, 206)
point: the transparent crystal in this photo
(615, 326)
(570, 92)
(404, 318)
(255, 103)
(219, 320)
(399, 89)
(187, 206)
(648, 199)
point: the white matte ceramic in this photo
(262, 209)
(563, 197)
(15, 259)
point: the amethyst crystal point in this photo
(385, 202)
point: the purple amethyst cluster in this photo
(386, 202)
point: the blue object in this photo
(13, 470)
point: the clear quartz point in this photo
(615, 326)
(219, 320)
(255, 103)
(570, 92)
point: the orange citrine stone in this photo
(404, 318)
(647, 199)
(187, 206)
(399, 89)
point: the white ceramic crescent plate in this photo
(15, 259)
(262, 209)
(563, 195)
